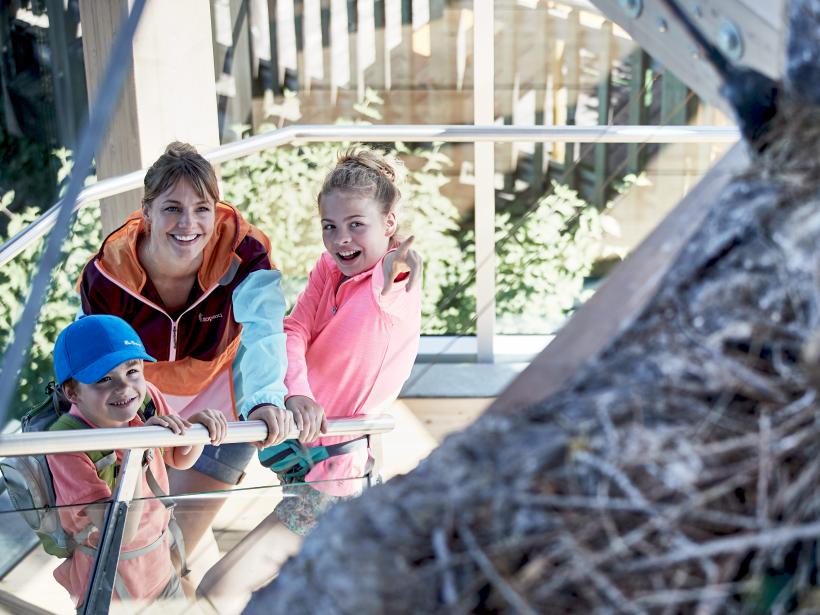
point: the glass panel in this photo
(29, 574)
(567, 212)
(238, 551)
(552, 257)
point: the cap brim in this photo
(94, 372)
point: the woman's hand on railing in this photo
(278, 420)
(309, 416)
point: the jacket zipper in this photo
(172, 350)
(335, 307)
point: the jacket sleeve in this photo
(299, 329)
(261, 362)
(92, 298)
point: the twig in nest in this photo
(448, 589)
(765, 470)
(600, 580)
(505, 589)
(766, 539)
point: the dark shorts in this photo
(225, 463)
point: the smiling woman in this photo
(196, 282)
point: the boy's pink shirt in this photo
(350, 350)
(76, 485)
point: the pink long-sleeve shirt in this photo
(350, 349)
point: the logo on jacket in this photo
(209, 318)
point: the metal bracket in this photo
(730, 39)
(632, 8)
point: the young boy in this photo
(98, 362)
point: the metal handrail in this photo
(84, 440)
(368, 133)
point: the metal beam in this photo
(759, 45)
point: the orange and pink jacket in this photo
(351, 349)
(227, 348)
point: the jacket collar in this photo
(118, 254)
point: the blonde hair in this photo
(180, 161)
(368, 173)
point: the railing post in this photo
(101, 584)
(484, 115)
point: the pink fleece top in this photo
(77, 486)
(350, 349)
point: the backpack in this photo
(30, 485)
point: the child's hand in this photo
(214, 421)
(278, 421)
(309, 416)
(175, 423)
(402, 260)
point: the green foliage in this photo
(542, 259)
(27, 169)
(62, 303)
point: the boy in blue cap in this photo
(98, 362)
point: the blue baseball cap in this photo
(92, 346)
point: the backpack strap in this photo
(173, 527)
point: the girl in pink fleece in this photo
(352, 338)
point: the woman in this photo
(196, 282)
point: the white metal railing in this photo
(48, 442)
(411, 133)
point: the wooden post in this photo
(572, 60)
(604, 87)
(232, 58)
(674, 100)
(637, 108)
(168, 94)
(66, 71)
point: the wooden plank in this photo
(365, 43)
(287, 69)
(339, 48)
(604, 87)
(659, 33)
(232, 55)
(622, 296)
(674, 100)
(572, 61)
(637, 108)
(312, 42)
(392, 37)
